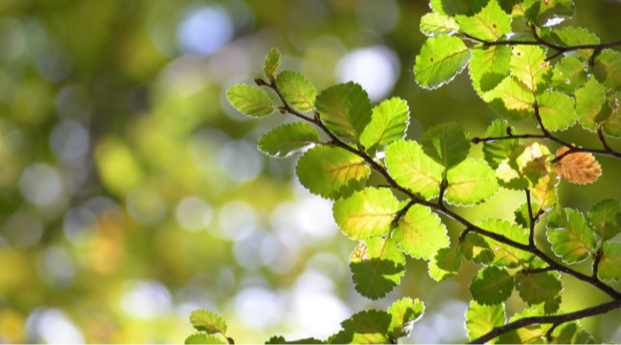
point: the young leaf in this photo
(272, 61)
(332, 172)
(366, 327)
(420, 232)
(556, 111)
(367, 213)
(470, 182)
(535, 288)
(204, 320)
(496, 152)
(492, 285)
(570, 36)
(389, 121)
(571, 237)
(605, 218)
(404, 313)
(578, 167)
(490, 24)
(203, 338)
(447, 143)
(481, 319)
(289, 139)
(571, 333)
(413, 169)
(441, 59)
(545, 192)
(345, 109)
(528, 65)
(607, 68)
(297, 90)
(569, 74)
(249, 100)
(445, 263)
(489, 66)
(609, 267)
(377, 266)
(433, 24)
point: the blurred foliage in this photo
(131, 193)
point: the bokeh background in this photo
(131, 193)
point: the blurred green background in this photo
(131, 193)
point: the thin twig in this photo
(531, 220)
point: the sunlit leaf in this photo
(609, 267)
(250, 100)
(490, 24)
(528, 65)
(204, 320)
(607, 68)
(404, 313)
(533, 334)
(496, 152)
(441, 59)
(489, 66)
(470, 182)
(332, 172)
(445, 263)
(506, 255)
(377, 266)
(272, 61)
(297, 90)
(413, 169)
(476, 248)
(492, 285)
(522, 216)
(556, 111)
(571, 333)
(549, 11)
(577, 167)
(605, 218)
(204, 338)
(345, 109)
(572, 36)
(389, 123)
(545, 191)
(447, 143)
(481, 319)
(281, 340)
(365, 327)
(433, 24)
(596, 107)
(367, 213)
(453, 7)
(289, 139)
(511, 99)
(420, 232)
(571, 237)
(569, 74)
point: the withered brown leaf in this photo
(577, 167)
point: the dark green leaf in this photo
(404, 313)
(476, 248)
(570, 36)
(281, 340)
(571, 333)
(492, 285)
(447, 143)
(445, 263)
(366, 327)
(609, 267)
(535, 288)
(489, 66)
(607, 68)
(605, 218)
(569, 74)
(453, 7)
(496, 152)
(289, 139)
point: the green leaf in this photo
(367, 213)
(545, 13)
(404, 313)
(492, 285)
(525, 167)
(528, 65)
(511, 99)
(203, 338)
(605, 218)
(389, 121)
(595, 109)
(453, 7)
(281, 340)
(441, 59)
(370, 321)
(569, 74)
(377, 266)
(609, 267)
(506, 255)
(490, 24)
(433, 24)
(533, 334)
(607, 68)
(476, 248)
(445, 263)
(470, 182)
(571, 237)
(522, 217)
(204, 320)
(489, 66)
(570, 36)
(413, 169)
(289, 139)
(571, 333)
(420, 232)
(545, 192)
(535, 288)
(249, 100)
(447, 143)
(272, 61)
(345, 109)
(297, 90)
(482, 319)
(332, 172)
(556, 111)
(496, 152)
